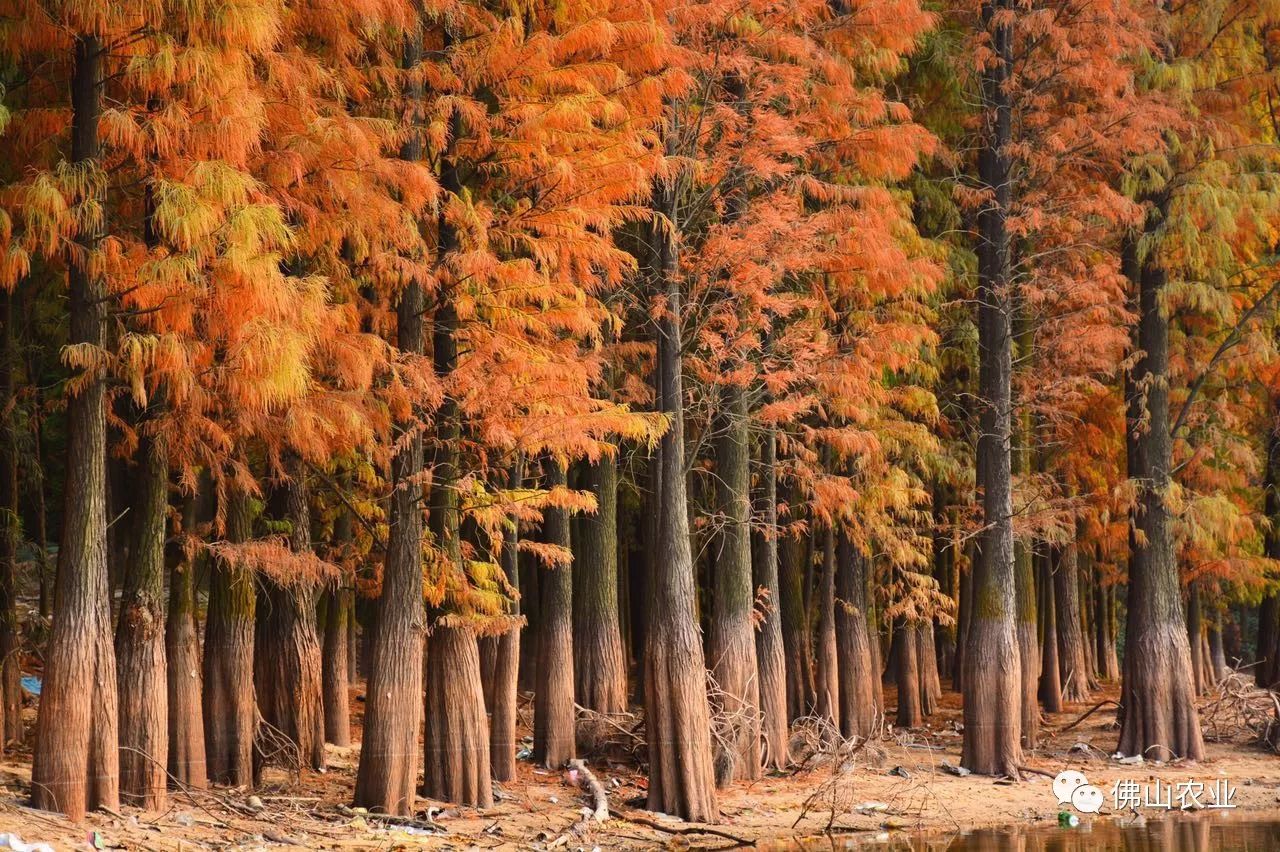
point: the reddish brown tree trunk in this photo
(1158, 719)
(553, 699)
(859, 707)
(456, 768)
(992, 664)
(930, 682)
(770, 647)
(828, 669)
(1028, 642)
(1050, 674)
(678, 719)
(732, 639)
(333, 667)
(230, 704)
(503, 708)
(286, 666)
(140, 652)
(187, 763)
(1072, 662)
(599, 666)
(796, 634)
(1199, 679)
(10, 533)
(388, 768)
(76, 761)
(907, 675)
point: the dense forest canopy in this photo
(714, 359)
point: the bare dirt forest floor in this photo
(900, 781)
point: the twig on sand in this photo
(591, 785)
(633, 817)
(1088, 713)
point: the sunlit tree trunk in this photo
(993, 672)
(76, 761)
(770, 647)
(678, 718)
(1158, 719)
(732, 640)
(187, 761)
(553, 707)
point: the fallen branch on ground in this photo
(633, 817)
(591, 785)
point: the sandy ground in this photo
(900, 781)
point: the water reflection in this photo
(1185, 833)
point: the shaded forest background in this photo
(716, 359)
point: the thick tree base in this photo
(992, 701)
(1158, 716)
(456, 767)
(681, 780)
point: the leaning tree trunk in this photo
(770, 647)
(1050, 673)
(678, 718)
(732, 640)
(992, 667)
(599, 665)
(187, 762)
(859, 706)
(230, 705)
(76, 762)
(504, 709)
(140, 652)
(1159, 718)
(553, 699)
(1072, 663)
(286, 666)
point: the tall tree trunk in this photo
(504, 710)
(1072, 662)
(553, 699)
(456, 752)
(140, 652)
(10, 532)
(76, 761)
(828, 666)
(1028, 641)
(230, 703)
(333, 665)
(286, 666)
(907, 675)
(388, 768)
(1159, 718)
(187, 762)
(1268, 612)
(993, 671)
(1050, 673)
(1217, 653)
(678, 718)
(859, 707)
(930, 682)
(600, 667)
(944, 564)
(733, 646)
(1195, 629)
(964, 610)
(770, 648)
(457, 731)
(796, 634)
(1113, 657)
